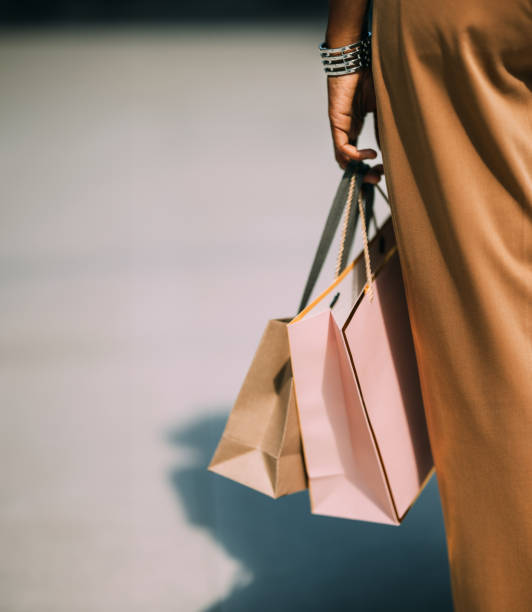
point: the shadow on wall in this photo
(301, 562)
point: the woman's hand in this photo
(351, 97)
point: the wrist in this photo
(346, 22)
(341, 36)
(346, 59)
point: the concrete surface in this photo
(157, 208)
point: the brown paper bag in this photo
(261, 444)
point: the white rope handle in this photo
(368, 287)
(348, 206)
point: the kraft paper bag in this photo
(359, 402)
(261, 443)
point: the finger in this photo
(341, 161)
(346, 148)
(346, 155)
(352, 153)
(372, 177)
(374, 174)
(377, 170)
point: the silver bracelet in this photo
(346, 60)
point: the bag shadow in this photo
(297, 561)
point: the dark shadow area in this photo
(115, 11)
(301, 562)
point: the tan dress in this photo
(453, 82)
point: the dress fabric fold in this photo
(453, 82)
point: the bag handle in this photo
(368, 287)
(354, 170)
(354, 193)
(350, 219)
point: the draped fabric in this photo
(453, 84)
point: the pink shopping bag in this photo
(359, 402)
(261, 444)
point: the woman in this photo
(451, 86)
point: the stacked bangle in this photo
(346, 60)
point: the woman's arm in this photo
(346, 22)
(350, 96)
